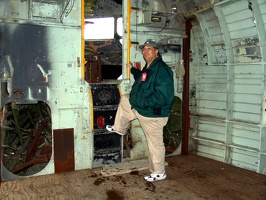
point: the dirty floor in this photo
(188, 177)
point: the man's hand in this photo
(130, 65)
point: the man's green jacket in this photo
(152, 93)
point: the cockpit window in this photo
(119, 28)
(99, 28)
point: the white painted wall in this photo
(228, 72)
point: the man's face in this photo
(149, 53)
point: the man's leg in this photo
(153, 129)
(124, 115)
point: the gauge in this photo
(105, 95)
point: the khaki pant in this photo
(153, 129)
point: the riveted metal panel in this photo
(228, 117)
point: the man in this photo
(150, 101)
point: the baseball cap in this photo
(149, 42)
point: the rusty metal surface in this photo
(45, 154)
(64, 150)
(93, 69)
(185, 97)
(26, 139)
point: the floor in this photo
(188, 177)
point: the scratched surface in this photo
(188, 177)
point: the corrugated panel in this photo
(210, 150)
(211, 88)
(244, 159)
(201, 48)
(212, 130)
(247, 81)
(243, 32)
(248, 135)
(213, 36)
(234, 8)
(262, 4)
(230, 98)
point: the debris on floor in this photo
(127, 167)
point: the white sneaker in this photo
(111, 128)
(155, 177)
